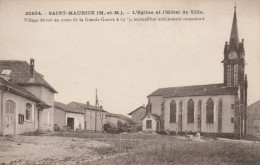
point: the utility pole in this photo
(96, 112)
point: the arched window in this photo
(199, 114)
(190, 111)
(210, 111)
(28, 114)
(173, 112)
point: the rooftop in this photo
(19, 73)
(198, 90)
(66, 108)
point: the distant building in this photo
(27, 100)
(66, 116)
(253, 118)
(94, 117)
(114, 118)
(214, 108)
(138, 114)
(151, 122)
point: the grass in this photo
(159, 149)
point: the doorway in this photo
(10, 117)
(70, 123)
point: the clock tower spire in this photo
(234, 63)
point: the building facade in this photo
(64, 116)
(253, 119)
(138, 114)
(26, 99)
(94, 117)
(213, 108)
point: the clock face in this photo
(232, 55)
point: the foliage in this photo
(125, 127)
(110, 128)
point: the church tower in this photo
(234, 58)
(234, 75)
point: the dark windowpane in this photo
(148, 124)
(190, 113)
(210, 111)
(173, 112)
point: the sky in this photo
(127, 61)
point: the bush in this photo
(125, 127)
(110, 128)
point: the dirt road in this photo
(47, 150)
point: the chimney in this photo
(87, 103)
(31, 70)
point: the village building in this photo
(64, 116)
(115, 118)
(151, 122)
(253, 119)
(27, 100)
(94, 117)
(218, 109)
(138, 114)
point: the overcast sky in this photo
(128, 61)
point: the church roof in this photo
(20, 74)
(234, 39)
(198, 90)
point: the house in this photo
(218, 109)
(66, 116)
(253, 119)
(94, 117)
(151, 122)
(27, 100)
(138, 114)
(115, 118)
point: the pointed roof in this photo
(234, 39)
(20, 74)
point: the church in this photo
(218, 109)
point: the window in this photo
(162, 108)
(190, 112)
(21, 119)
(10, 106)
(232, 120)
(210, 111)
(173, 112)
(148, 124)
(28, 115)
(236, 74)
(229, 75)
(232, 106)
(232, 74)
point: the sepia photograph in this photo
(129, 82)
